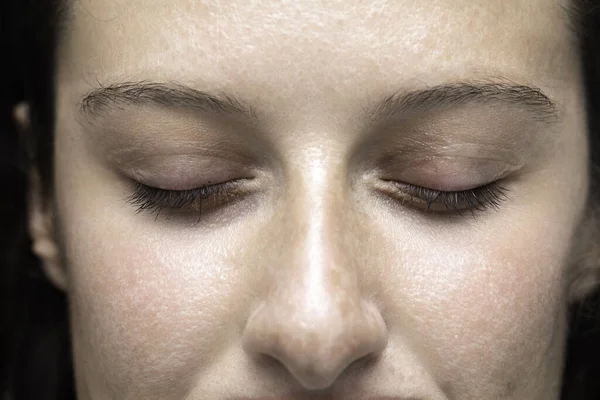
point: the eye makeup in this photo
(197, 201)
(477, 199)
(447, 164)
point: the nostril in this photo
(312, 378)
(315, 352)
(312, 372)
(310, 375)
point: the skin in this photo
(318, 281)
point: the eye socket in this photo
(196, 201)
(477, 199)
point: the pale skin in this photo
(318, 278)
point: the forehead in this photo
(350, 45)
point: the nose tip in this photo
(315, 348)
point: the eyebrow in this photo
(168, 95)
(174, 95)
(453, 95)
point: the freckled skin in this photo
(316, 284)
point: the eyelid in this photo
(155, 200)
(184, 176)
(448, 176)
(480, 198)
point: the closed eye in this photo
(480, 199)
(194, 201)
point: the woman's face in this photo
(390, 194)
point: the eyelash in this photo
(480, 199)
(155, 200)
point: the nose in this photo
(314, 318)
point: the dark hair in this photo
(35, 358)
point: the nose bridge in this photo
(320, 210)
(323, 241)
(314, 319)
(319, 242)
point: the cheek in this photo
(153, 306)
(488, 308)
